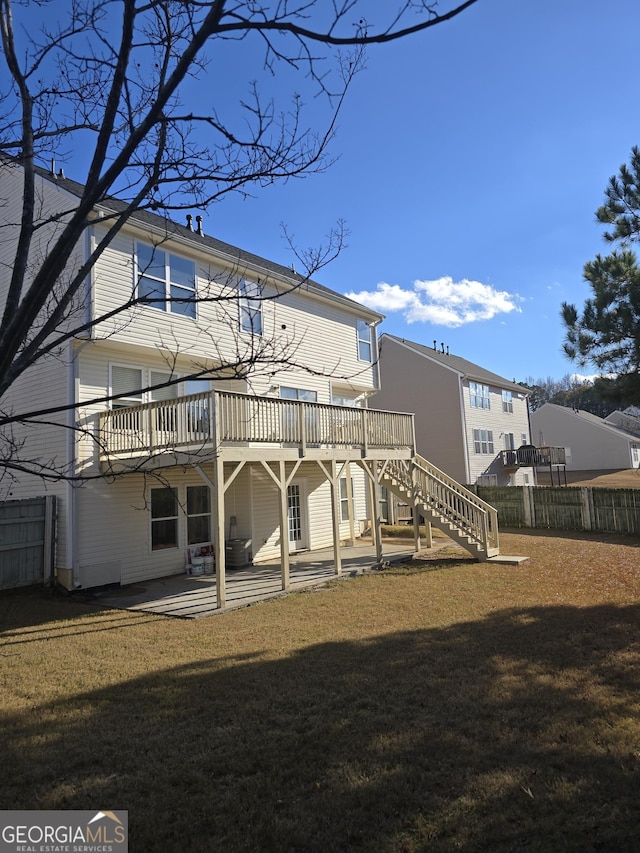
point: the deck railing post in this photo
(302, 428)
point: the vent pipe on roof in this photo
(442, 346)
(189, 222)
(435, 345)
(199, 229)
(447, 350)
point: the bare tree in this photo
(115, 79)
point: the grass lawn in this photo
(444, 706)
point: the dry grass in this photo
(442, 706)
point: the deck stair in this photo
(457, 511)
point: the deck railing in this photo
(532, 457)
(436, 491)
(222, 417)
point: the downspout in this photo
(73, 399)
(465, 441)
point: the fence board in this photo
(26, 537)
(565, 508)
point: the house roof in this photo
(236, 255)
(465, 369)
(586, 417)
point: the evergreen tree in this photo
(606, 333)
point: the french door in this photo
(295, 520)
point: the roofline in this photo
(411, 345)
(224, 251)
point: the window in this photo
(487, 480)
(509, 441)
(483, 441)
(250, 307)
(198, 515)
(126, 385)
(298, 394)
(290, 414)
(507, 402)
(364, 341)
(164, 519)
(344, 500)
(524, 438)
(166, 281)
(479, 395)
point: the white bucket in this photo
(208, 565)
(197, 566)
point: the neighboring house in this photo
(280, 456)
(468, 421)
(591, 443)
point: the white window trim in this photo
(361, 325)
(175, 547)
(145, 376)
(479, 395)
(167, 308)
(250, 305)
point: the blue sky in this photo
(472, 159)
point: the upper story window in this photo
(365, 349)
(507, 402)
(479, 395)
(166, 281)
(250, 307)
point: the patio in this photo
(194, 597)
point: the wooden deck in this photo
(194, 597)
(198, 426)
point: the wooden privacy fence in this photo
(565, 508)
(27, 541)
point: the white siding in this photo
(297, 326)
(123, 506)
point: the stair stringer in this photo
(446, 504)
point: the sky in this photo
(469, 162)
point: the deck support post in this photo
(284, 526)
(352, 532)
(216, 492)
(374, 502)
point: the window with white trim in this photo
(487, 480)
(298, 394)
(133, 385)
(166, 281)
(509, 441)
(198, 515)
(126, 385)
(365, 347)
(479, 395)
(164, 518)
(507, 402)
(344, 500)
(483, 441)
(250, 306)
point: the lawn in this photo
(447, 705)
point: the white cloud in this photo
(442, 302)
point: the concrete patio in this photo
(193, 597)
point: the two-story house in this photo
(468, 420)
(227, 403)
